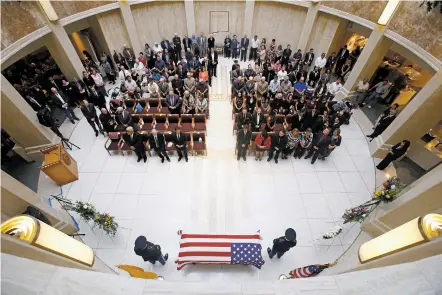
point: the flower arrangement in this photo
(107, 223)
(332, 233)
(389, 190)
(85, 209)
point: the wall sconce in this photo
(410, 234)
(49, 10)
(41, 235)
(388, 12)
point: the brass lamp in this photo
(415, 232)
(41, 235)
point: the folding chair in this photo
(129, 105)
(147, 124)
(199, 142)
(160, 123)
(174, 120)
(168, 137)
(199, 121)
(186, 122)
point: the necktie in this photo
(178, 137)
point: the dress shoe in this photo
(139, 159)
(244, 158)
(276, 161)
(237, 158)
(179, 158)
(162, 160)
(168, 159)
(72, 121)
(187, 160)
(96, 133)
(76, 119)
(268, 160)
(306, 157)
(145, 159)
(260, 159)
(166, 256)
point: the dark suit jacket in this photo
(211, 42)
(161, 142)
(57, 101)
(346, 54)
(243, 138)
(163, 44)
(177, 42)
(256, 121)
(187, 42)
(310, 119)
(279, 142)
(215, 55)
(126, 119)
(136, 140)
(89, 111)
(243, 119)
(182, 141)
(323, 143)
(97, 99)
(244, 43)
(172, 100)
(308, 58)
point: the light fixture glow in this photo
(410, 234)
(49, 10)
(388, 12)
(41, 235)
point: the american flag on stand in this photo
(308, 271)
(220, 249)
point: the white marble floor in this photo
(218, 194)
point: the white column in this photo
(310, 19)
(248, 17)
(126, 15)
(190, 17)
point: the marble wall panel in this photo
(280, 21)
(220, 16)
(369, 10)
(415, 24)
(20, 18)
(67, 8)
(157, 20)
(323, 33)
(114, 30)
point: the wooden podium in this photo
(59, 165)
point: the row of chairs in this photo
(280, 122)
(168, 122)
(196, 143)
(150, 106)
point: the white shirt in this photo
(334, 88)
(362, 87)
(157, 49)
(61, 99)
(131, 86)
(274, 86)
(254, 43)
(123, 74)
(320, 62)
(281, 75)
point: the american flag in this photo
(308, 271)
(220, 249)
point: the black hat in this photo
(290, 234)
(140, 243)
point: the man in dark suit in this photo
(89, 112)
(135, 141)
(180, 141)
(158, 144)
(308, 59)
(182, 70)
(165, 44)
(257, 120)
(244, 46)
(187, 43)
(211, 42)
(383, 124)
(279, 142)
(243, 138)
(341, 58)
(124, 117)
(243, 118)
(286, 55)
(178, 85)
(149, 251)
(173, 102)
(320, 146)
(213, 62)
(331, 61)
(97, 98)
(310, 118)
(62, 101)
(177, 44)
